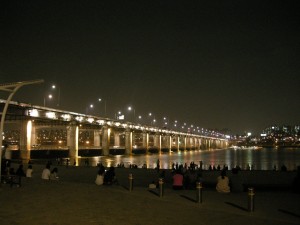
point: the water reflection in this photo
(263, 159)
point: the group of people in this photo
(186, 179)
(48, 174)
(106, 177)
(7, 170)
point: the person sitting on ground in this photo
(46, 173)
(29, 171)
(223, 183)
(54, 174)
(110, 176)
(177, 181)
(100, 177)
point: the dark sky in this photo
(214, 64)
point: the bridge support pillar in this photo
(117, 139)
(145, 141)
(97, 134)
(177, 142)
(128, 142)
(105, 140)
(157, 142)
(72, 140)
(170, 142)
(27, 138)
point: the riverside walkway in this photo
(75, 199)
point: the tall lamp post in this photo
(48, 97)
(58, 93)
(131, 109)
(100, 100)
(12, 88)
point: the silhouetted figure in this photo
(283, 168)
(86, 162)
(67, 162)
(54, 174)
(157, 164)
(20, 172)
(110, 176)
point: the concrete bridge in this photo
(32, 131)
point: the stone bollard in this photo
(199, 192)
(161, 187)
(130, 177)
(251, 199)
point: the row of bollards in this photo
(199, 188)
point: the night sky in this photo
(214, 64)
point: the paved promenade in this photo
(75, 199)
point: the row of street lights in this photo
(91, 106)
(149, 119)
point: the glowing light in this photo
(79, 118)
(51, 115)
(66, 117)
(90, 120)
(29, 129)
(33, 112)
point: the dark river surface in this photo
(258, 159)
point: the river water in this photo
(261, 159)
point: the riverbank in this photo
(258, 179)
(75, 199)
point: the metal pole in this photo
(130, 177)
(199, 192)
(161, 187)
(251, 199)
